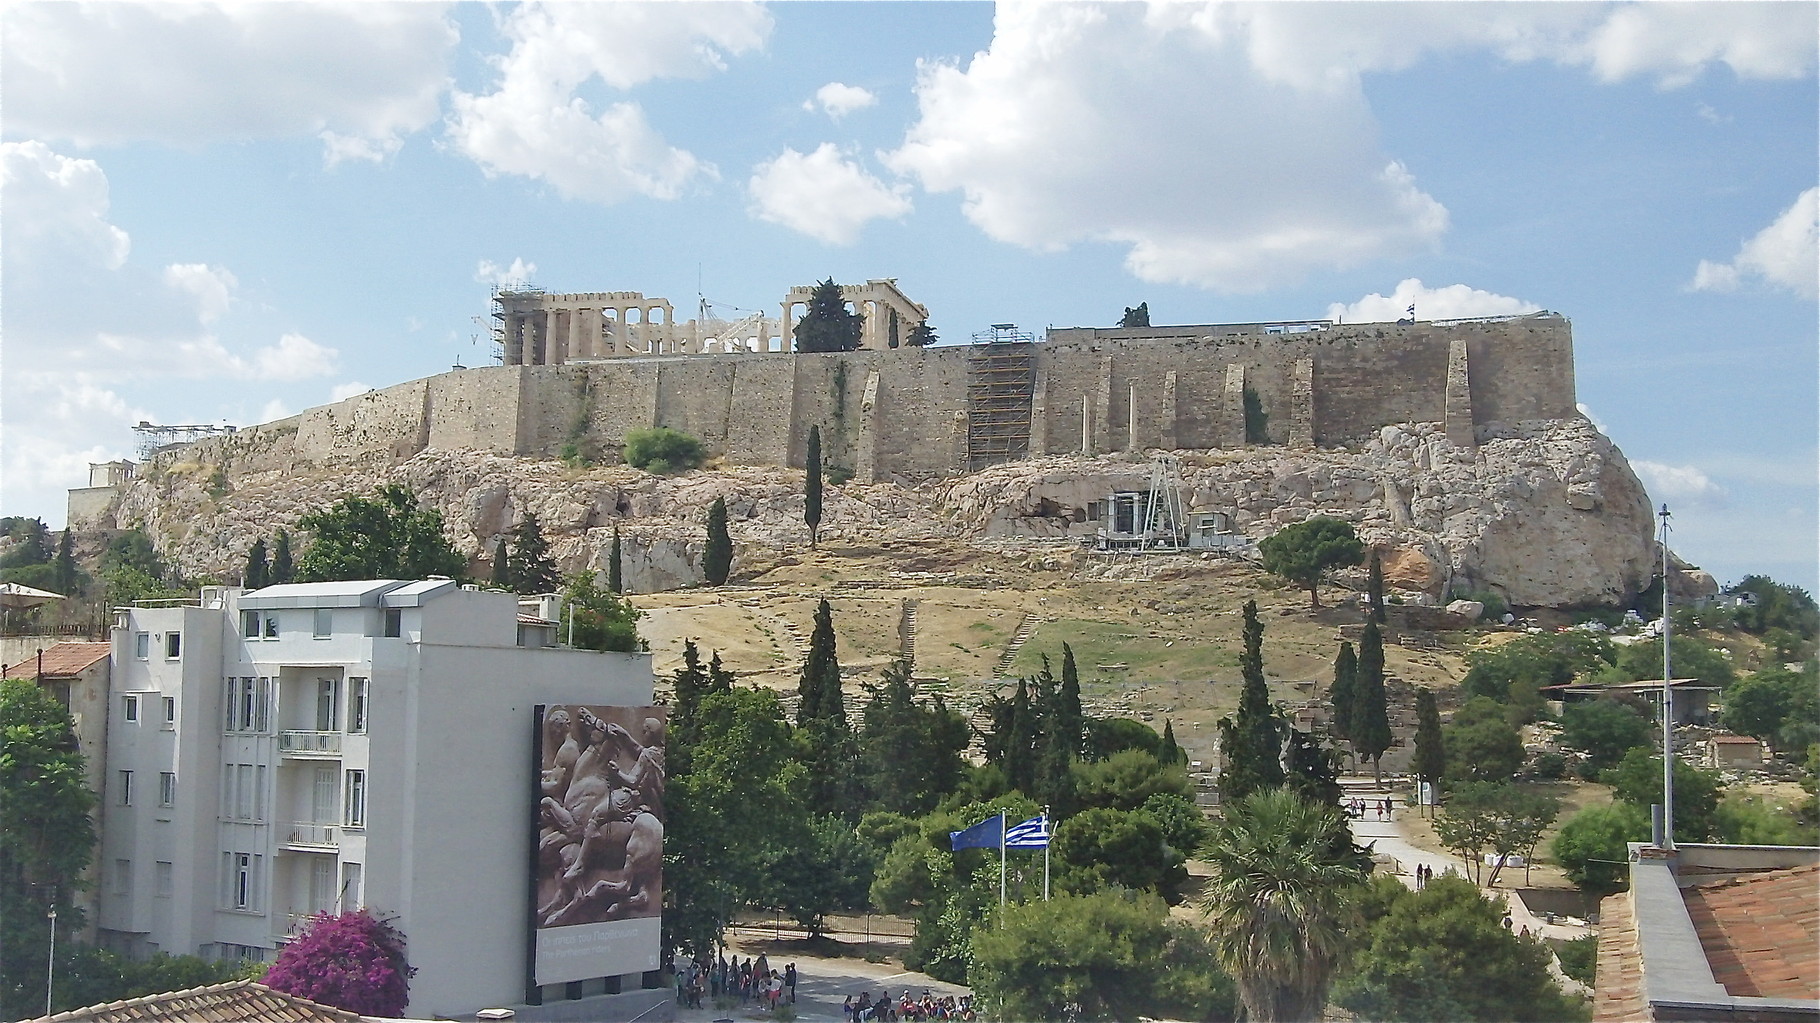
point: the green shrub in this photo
(1578, 957)
(662, 450)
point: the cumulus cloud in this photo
(537, 125)
(358, 75)
(294, 357)
(823, 195)
(1675, 42)
(1782, 255)
(521, 271)
(342, 392)
(56, 208)
(838, 100)
(1206, 172)
(1679, 483)
(213, 286)
(1455, 301)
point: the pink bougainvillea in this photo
(353, 961)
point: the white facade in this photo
(327, 746)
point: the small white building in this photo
(327, 746)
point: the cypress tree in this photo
(717, 556)
(66, 564)
(1069, 720)
(283, 568)
(812, 485)
(1020, 744)
(1375, 588)
(720, 680)
(1252, 739)
(615, 571)
(258, 573)
(531, 568)
(1313, 771)
(1370, 715)
(691, 683)
(819, 688)
(502, 565)
(1431, 745)
(1344, 691)
(1172, 750)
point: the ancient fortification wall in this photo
(906, 412)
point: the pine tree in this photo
(827, 325)
(283, 568)
(66, 564)
(1252, 739)
(258, 572)
(921, 336)
(1431, 747)
(1344, 692)
(720, 680)
(532, 569)
(615, 570)
(1312, 769)
(812, 485)
(1370, 716)
(717, 556)
(1375, 587)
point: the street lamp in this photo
(50, 965)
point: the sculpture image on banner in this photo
(600, 833)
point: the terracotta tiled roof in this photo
(239, 1001)
(63, 659)
(1618, 995)
(1761, 933)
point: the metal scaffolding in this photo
(153, 437)
(1001, 382)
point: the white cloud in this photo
(1207, 172)
(1598, 424)
(823, 195)
(294, 357)
(838, 100)
(1679, 483)
(213, 286)
(1782, 255)
(1454, 301)
(342, 392)
(520, 272)
(56, 208)
(536, 124)
(273, 411)
(359, 75)
(1676, 41)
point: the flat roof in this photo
(344, 593)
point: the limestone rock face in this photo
(1544, 513)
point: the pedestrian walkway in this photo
(823, 983)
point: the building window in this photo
(271, 625)
(322, 795)
(325, 620)
(357, 705)
(325, 704)
(240, 876)
(322, 884)
(129, 707)
(249, 701)
(249, 624)
(162, 878)
(394, 622)
(167, 788)
(126, 788)
(173, 645)
(245, 810)
(357, 799)
(123, 877)
(350, 887)
(170, 712)
(142, 645)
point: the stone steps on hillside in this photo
(906, 630)
(1025, 628)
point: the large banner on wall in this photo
(599, 841)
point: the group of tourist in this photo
(748, 980)
(928, 1007)
(1357, 808)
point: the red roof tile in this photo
(64, 659)
(1618, 992)
(1761, 933)
(239, 1001)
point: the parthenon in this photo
(535, 328)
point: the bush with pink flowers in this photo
(353, 961)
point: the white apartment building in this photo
(327, 746)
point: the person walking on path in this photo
(790, 981)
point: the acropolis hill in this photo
(1456, 446)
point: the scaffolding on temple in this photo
(1001, 383)
(154, 438)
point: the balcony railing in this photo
(308, 744)
(311, 835)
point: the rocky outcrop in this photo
(1544, 514)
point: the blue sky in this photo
(232, 214)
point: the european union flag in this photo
(987, 834)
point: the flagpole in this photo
(1046, 841)
(1001, 858)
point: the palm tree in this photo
(1280, 901)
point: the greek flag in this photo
(1412, 308)
(1032, 834)
(984, 835)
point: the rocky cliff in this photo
(1547, 513)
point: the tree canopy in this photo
(1251, 740)
(527, 566)
(828, 325)
(1482, 744)
(597, 619)
(717, 552)
(1604, 730)
(353, 961)
(383, 537)
(1304, 553)
(1138, 317)
(661, 450)
(1370, 719)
